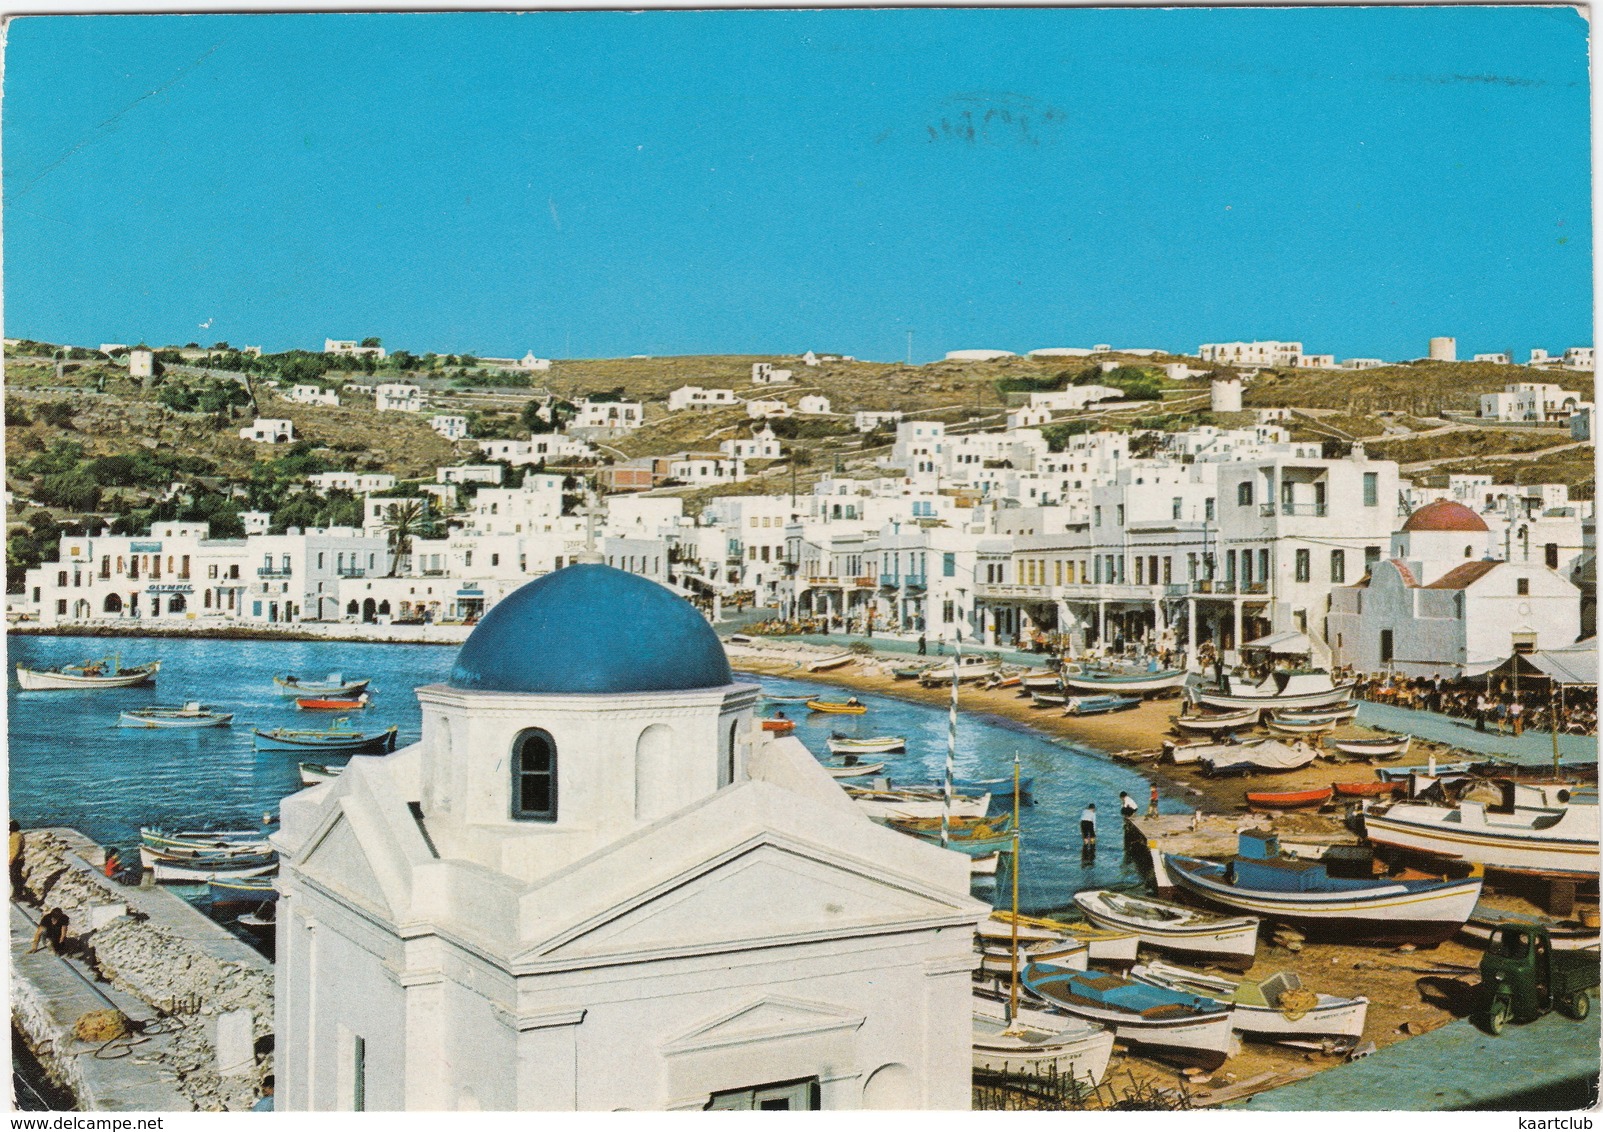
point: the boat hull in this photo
(1099, 705)
(1125, 685)
(174, 873)
(829, 662)
(1229, 721)
(376, 743)
(1228, 942)
(1068, 1046)
(300, 689)
(1554, 853)
(1379, 915)
(1205, 1041)
(1332, 1017)
(1289, 800)
(1336, 695)
(135, 720)
(891, 807)
(830, 708)
(880, 746)
(35, 680)
(859, 770)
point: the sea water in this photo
(71, 765)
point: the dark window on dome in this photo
(534, 777)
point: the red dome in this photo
(1445, 515)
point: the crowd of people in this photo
(1499, 707)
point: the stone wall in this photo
(181, 981)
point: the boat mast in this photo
(1013, 986)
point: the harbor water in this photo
(71, 765)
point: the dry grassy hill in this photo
(1423, 388)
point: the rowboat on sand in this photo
(1106, 945)
(1334, 714)
(1279, 690)
(1373, 748)
(1227, 940)
(1289, 799)
(1099, 705)
(968, 668)
(1275, 1008)
(1124, 683)
(1175, 1026)
(1269, 756)
(1559, 841)
(1219, 721)
(1039, 1042)
(824, 664)
(106, 672)
(1278, 725)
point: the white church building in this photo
(597, 884)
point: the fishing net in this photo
(1296, 1003)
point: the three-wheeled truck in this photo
(1523, 977)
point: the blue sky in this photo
(600, 184)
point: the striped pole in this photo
(951, 747)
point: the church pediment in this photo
(339, 863)
(767, 894)
(766, 1019)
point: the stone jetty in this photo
(196, 1003)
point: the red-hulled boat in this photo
(781, 726)
(312, 703)
(1289, 799)
(1370, 789)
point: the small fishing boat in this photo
(912, 804)
(1187, 1029)
(1220, 721)
(967, 668)
(192, 714)
(1558, 841)
(837, 707)
(779, 726)
(1003, 680)
(1099, 705)
(1372, 748)
(1278, 725)
(1289, 799)
(335, 687)
(1335, 714)
(107, 672)
(1105, 945)
(1425, 770)
(150, 856)
(177, 872)
(339, 738)
(1411, 908)
(1048, 699)
(1267, 757)
(852, 769)
(878, 745)
(1227, 940)
(314, 774)
(997, 957)
(1002, 787)
(314, 703)
(1368, 789)
(908, 673)
(982, 826)
(254, 889)
(1566, 935)
(1302, 688)
(975, 840)
(208, 839)
(776, 698)
(1043, 680)
(1125, 683)
(1275, 1008)
(1038, 1042)
(824, 664)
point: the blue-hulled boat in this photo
(341, 739)
(1173, 1025)
(1000, 787)
(1099, 705)
(1410, 908)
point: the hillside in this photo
(1422, 388)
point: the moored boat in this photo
(233, 888)
(208, 839)
(1124, 683)
(1226, 940)
(106, 672)
(336, 739)
(1001, 787)
(313, 774)
(851, 706)
(1099, 705)
(1176, 1026)
(242, 855)
(192, 714)
(1335, 714)
(1039, 1042)
(1289, 799)
(1218, 721)
(1275, 1008)
(916, 804)
(824, 664)
(1372, 748)
(877, 745)
(779, 726)
(1048, 699)
(1417, 909)
(968, 668)
(1305, 688)
(1541, 841)
(998, 958)
(1105, 945)
(777, 698)
(178, 872)
(852, 769)
(335, 687)
(325, 703)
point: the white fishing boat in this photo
(243, 852)
(1279, 690)
(996, 955)
(1038, 1042)
(1544, 841)
(1392, 747)
(852, 769)
(1226, 940)
(334, 687)
(1275, 1008)
(177, 872)
(314, 774)
(1431, 769)
(876, 745)
(1279, 725)
(192, 714)
(1218, 721)
(161, 839)
(1269, 756)
(1187, 1029)
(1105, 945)
(1048, 699)
(885, 804)
(1041, 680)
(1124, 683)
(968, 668)
(106, 672)
(1318, 715)
(1565, 935)
(824, 664)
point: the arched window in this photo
(113, 603)
(534, 776)
(175, 603)
(352, 609)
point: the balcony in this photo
(897, 581)
(1229, 587)
(1308, 510)
(352, 571)
(273, 571)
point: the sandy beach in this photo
(1410, 992)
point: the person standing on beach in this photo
(1088, 826)
(1516, 715)
(1480, 712)
(923, 645)
(1152, 802)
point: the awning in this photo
(1571, 666)
(1289, 643)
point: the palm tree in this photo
(402, 521)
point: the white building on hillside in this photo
(397, 397)
(869, 419)
(761, 445)
(1495, 359)
(451, 426)
(1362, 363)
(141, 363)
(763, 409)
(692, 468)
(695, 397)
(1529, 401)
(349, 347)
(359, 483)
(269, 430)
(470, 473)
(541, 447)
(813, 404)
(764, 373)
(538, 365)
(607, 416)
(595, 827)
(1251, 353)
(313, 395)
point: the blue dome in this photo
(591, 629)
